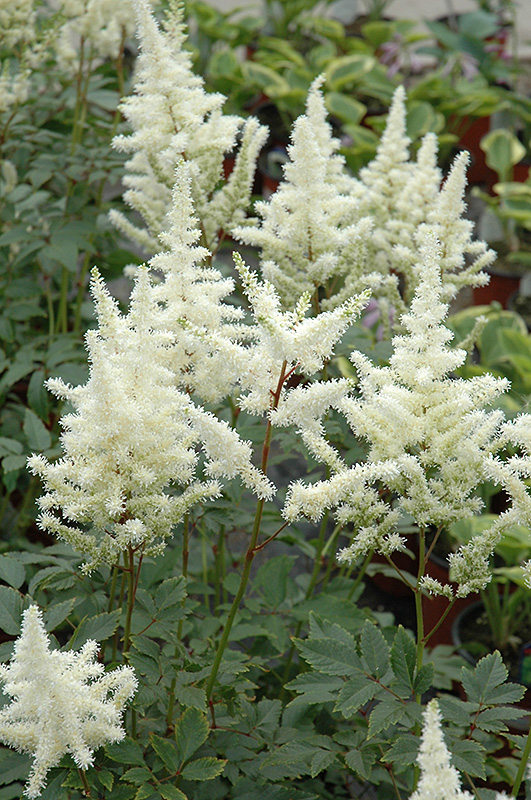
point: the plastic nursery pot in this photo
(503, 286)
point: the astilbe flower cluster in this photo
(326, 232)
(438, 780)
(432, 441)
(172, 118)
(63, 702)
(129, 470)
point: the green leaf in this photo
(374, 650)
(469, 756)
(424, 679)
(12, 571)
(384, 715)
(167, 751)
(37, 434)
(57, 613)
(347, 70)
(352, 696)
(502, 151)
(37, 394)
(314, 688)
(489, 673)
(272, 578)
(126, 752)
(494, 719)
(346, 108)
(404, 750)
(169, 594)
(321, 760)
(403, 657)
(191, 730)
(137, 775)
(98, 628)
(10, 610)
(203, 769)
(171, 793)
(330, 656)
(361, 761)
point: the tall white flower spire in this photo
(62, 702)
(306, 233)
(172, 118)
(432, 438)
(438, 779)
(132, 440)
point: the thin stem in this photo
(251, 550)
(522, 767)
(360, 575)
(84, 781)
(418, 603)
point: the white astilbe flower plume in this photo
(128, 473)
(438, 779)
(190, 301)
(95, 28)
(306, 233)
(172, 118)
(62, 702)
(284, 341)
(402, 197)
(432, 439)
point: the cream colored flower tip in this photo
(63, 702)
(438, 779)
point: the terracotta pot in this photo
(503, 286)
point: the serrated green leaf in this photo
(167, 751)
(353, 695)
(98, 628)
(10, 610)
(169, 594)
(469, 756)
(321, 760)
(330, 656)
(191, 697)
(56, 614)
(12, 571)
(171, 793)
(203, 769)
(126, 752)
(488, 674)
(191, 730)
(403, 657)
(361, 761)
(272, 578)
(404, 750)
(38, 397)
(494, 719)
(314, 688)
(424, 678)
(13, 766)
(106, 778)
(137, 775)
(384, 715)
(37, 434)
(374, 650)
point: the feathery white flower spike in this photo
(307, 232)
(172, 118)
(62, 702)
(438, 779)
(190, 300)
(132, 437)
(432, 439)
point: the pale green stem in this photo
(184, 570)
(522, 767)
(251, 551)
